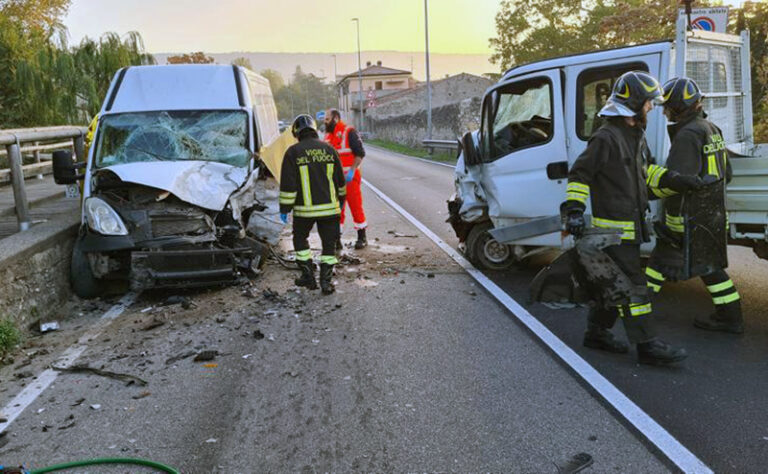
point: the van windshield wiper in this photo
(153, 154)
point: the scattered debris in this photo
(398, 234)
(430, 275)
(129, 379)
(271, 337)
(179, 357)
(146, 310)
(258, 334)
(270, 294)
(247, 356)
(25, 374)
(95, 406)
(210, 366)
(221, 319)
(155, 323)
(40, 410)
(576, 463)
(144, 394)
(50, 326)
(78, 402)
(205, 356)
(347, 259)
(211, 440)
(364, 283)
(3, 419)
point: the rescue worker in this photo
(90, 135)
(611, 172)
(698, 149)
(349, 145)
(312, 186)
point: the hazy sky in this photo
(456, 26)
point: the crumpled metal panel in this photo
(469, 190)
(262, 194)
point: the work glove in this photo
(575, 223)
(284, 218)
(350, 174)
(681, 182)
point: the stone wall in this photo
(34, 270)
(449, 122)
(456, 102)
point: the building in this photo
(378, 81)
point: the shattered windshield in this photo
(220, 136)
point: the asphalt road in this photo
(715, 404)
(409, 367)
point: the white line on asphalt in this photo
(431, 162)
(655, 433)
(30, 393)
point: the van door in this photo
(522, 136)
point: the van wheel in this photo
(485, 252)
(84, 284)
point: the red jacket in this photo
(339, 139)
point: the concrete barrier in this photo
(34, 269)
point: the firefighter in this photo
(348, 143)
(312, 185)
(611, 172)
(698, 149)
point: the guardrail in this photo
(445, 144)
(12, 141)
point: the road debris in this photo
(398, 234)
(347, 259)
(205, 356)
(211, 440)
(144, 394)
(178, 357)
(78, 402)
(576, 463)
(49, 326)
(247, 356)
(155, 323)
(129, 379)
(258, 334)
(95, 406)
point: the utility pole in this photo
(338, 87)
(429, 83)
(359, 79)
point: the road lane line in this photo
(30, 393)
(431, 162)
(647, 426)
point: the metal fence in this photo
(37, 140)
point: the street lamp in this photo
(338, 87)
(359, 78)
(429, 83)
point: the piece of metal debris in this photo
(205, 356)
(258, 334)
(49, 326)
(129, 379)
(144, 394)
(576, 463)
(398, 234)
(178, 357)
(95, 406)
(155, 323)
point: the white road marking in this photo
(655, 433)
(30, 393)
(431, 162)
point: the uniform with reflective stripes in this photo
(348, 144)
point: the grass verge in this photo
(9, 336)
(439, 156)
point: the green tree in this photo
(276, 81)
(306, 94)
(753, 16)
(198, 57)
(243, 62)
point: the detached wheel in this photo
(485, 252)
(84, 284)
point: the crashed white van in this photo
(176, 190)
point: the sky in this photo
(218, 26)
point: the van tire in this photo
(484, 252)
(84, 283)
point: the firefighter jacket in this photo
(613, 172)
(312, 182)
(347, 143)
(698, 148)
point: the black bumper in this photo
(188, 268)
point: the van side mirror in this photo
(557, 170)
(471, 152)
(64, 169)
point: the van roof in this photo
(589, 56)
(174, 87)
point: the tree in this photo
(276, 81)
(194, 58)
(36, 15)
(754, 17)
(243, 62)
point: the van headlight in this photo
(102, 218)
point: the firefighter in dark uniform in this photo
(312, 185)
(698, 149)
(613, 173)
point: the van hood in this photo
(205, 184)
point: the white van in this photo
(176, 171)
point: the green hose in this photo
(94, 462)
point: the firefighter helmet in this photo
(630, 93)
(680, 94)
(303, 122)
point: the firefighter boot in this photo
(307, 278)
(326, 278)
(726, 318)
(362, 242)
(598, 337)
(658, 352)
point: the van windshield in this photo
(220, 136)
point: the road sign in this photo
(709, 19)
(371, 104)
(371, 94)
(320, 116)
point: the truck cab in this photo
(538, 119)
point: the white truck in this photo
(175, 188)
(537, 119)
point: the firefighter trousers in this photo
(635, 316)
(327, 227)
(355, 202)
(724, 294)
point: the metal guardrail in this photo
(13, 139)
(445, 144)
